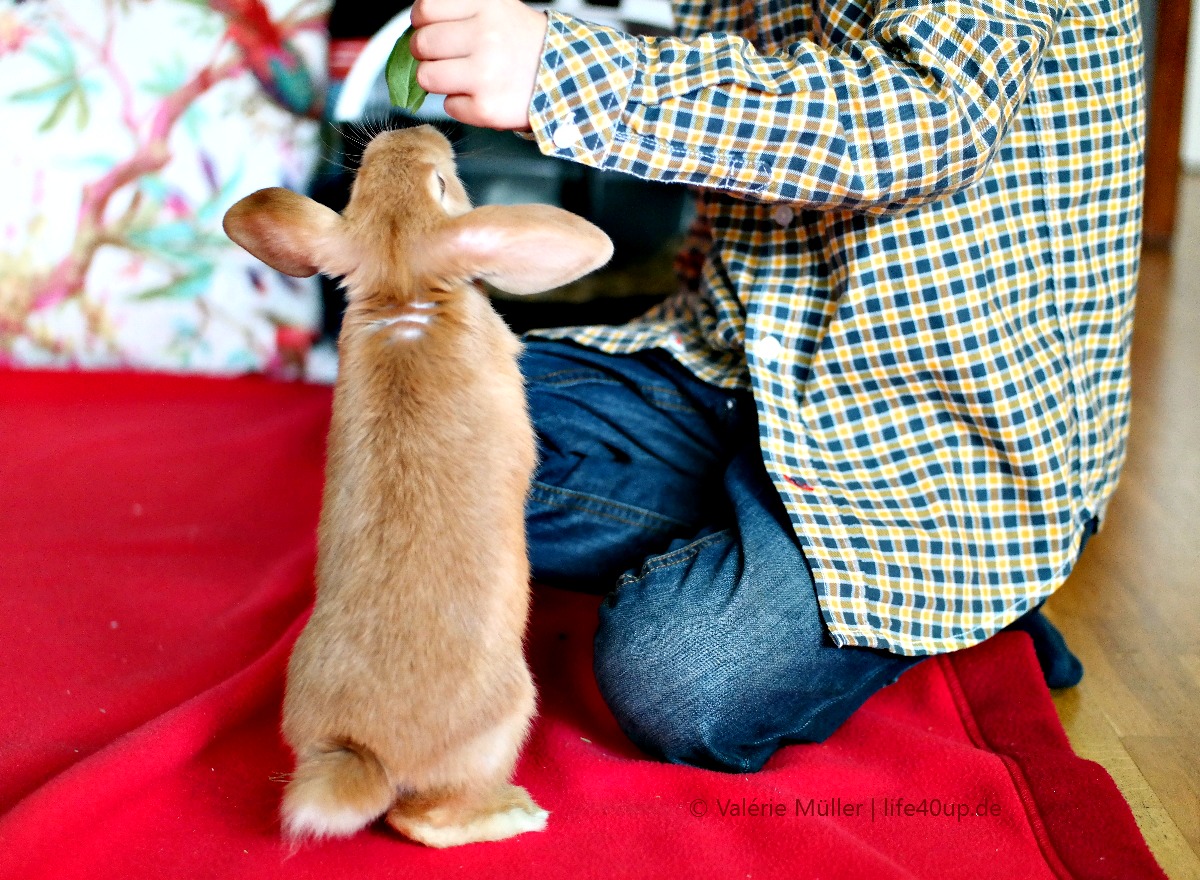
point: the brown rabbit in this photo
(408, 692)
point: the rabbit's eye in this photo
(437, 187)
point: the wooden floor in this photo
(1131, 609)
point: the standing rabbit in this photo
(408, 692)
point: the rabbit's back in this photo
(422, 580)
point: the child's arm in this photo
(910, 113)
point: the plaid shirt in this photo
(917, 243)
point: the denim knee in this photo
(709, 660)
(680, 699)
(670, 695)
(673, 665)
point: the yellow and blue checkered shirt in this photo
(917, 243)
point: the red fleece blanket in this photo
(158, 539)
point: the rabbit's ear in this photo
(517, 248)
(285, 230)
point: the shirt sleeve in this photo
(910, 113)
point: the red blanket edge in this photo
(1079, 816)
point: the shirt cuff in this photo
(582, 87)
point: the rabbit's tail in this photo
(336, 791)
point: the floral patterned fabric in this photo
(129, 127)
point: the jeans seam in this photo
(673, 558)
(802, 733)
(869, 680)
(606, 507)
(664, 396)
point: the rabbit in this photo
(407, 692)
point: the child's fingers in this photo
(486, 113)
(427, 12)
(462, 108)
(486, 63)
(442, 40)
(452, 76)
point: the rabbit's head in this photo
(409, 228)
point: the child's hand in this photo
(482, 54)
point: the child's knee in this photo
(684, 691)
(667, 701)
(677, 696)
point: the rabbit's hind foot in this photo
(452, 819)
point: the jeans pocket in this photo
(573, 502)
(680, 552)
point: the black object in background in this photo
(350, 20)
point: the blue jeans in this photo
(711, 649)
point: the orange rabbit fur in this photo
(408, 693)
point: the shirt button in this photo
(768, 349)
(567, 135)
(783, 215)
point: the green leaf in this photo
(166, 78)
(191, 285)
(56, 114)
(401, 76)
(83, 113)
(52, 90)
